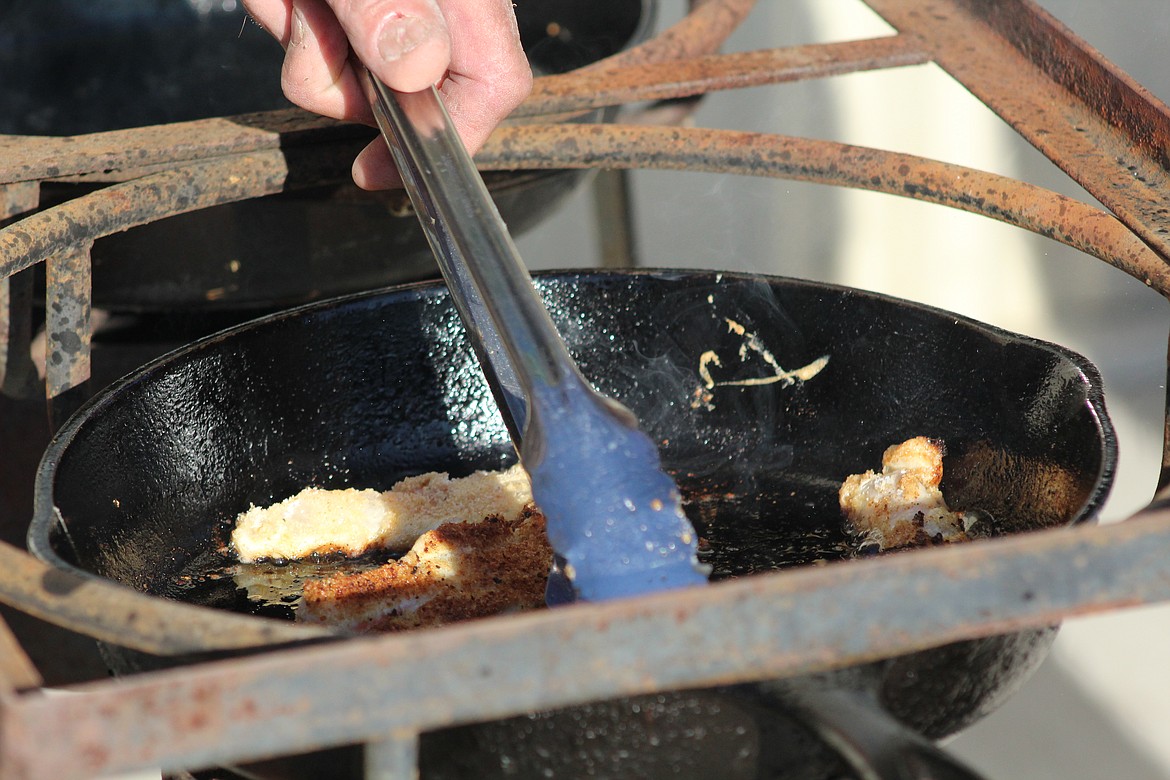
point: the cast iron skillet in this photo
(367, 389)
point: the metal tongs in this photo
(615, 519)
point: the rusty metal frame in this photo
(1077, 108)
(771, 625)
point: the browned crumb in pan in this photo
(456, 572)
(903, 505)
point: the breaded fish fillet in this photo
(455, 572)
(352, 521)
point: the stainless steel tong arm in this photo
(615, 519)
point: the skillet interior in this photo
(367, 389)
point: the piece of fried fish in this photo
(455, 572)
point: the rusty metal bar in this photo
(597, 88)
(37, 238)
(1081, 111)
(558, 146)
(765, 626)
(67, 324)
(1041, 211)
(113, 613)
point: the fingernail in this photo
(297, 35)
(401, 35)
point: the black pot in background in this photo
(87, 67)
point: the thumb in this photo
(405, 43)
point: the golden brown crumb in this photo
(456, 572)
(903, 505)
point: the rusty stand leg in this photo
(67, 331)
(394, 758)
(615, 218)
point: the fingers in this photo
(273, 16)
(374, 168)
(487, 77)
(406, 43)
(489, 74)
(317, 74)
(471, 46)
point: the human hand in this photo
(469, 48)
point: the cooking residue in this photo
(267, 588)
(704, 396)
